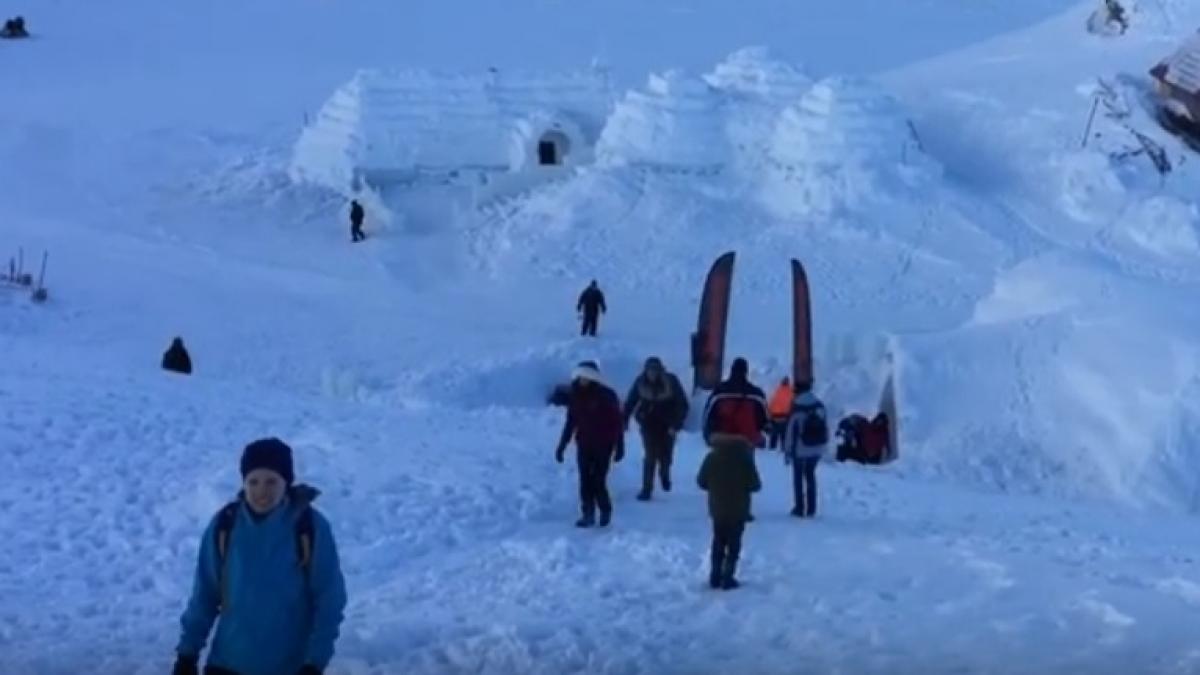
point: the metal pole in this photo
(42, 275)
(1091, 116)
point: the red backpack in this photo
(739, 416)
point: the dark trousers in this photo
(356, 233)
(777, 426)
(591, 321)
(218, 670)
(593, 482)
(726, 547)
(804, 484)
(660, 450)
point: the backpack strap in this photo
(304, 537)
(227, 517)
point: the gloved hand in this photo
(186, 665)
(309, 670)
(560, 454)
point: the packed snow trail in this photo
(474, 528)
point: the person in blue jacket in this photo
(268, 575)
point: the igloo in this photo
(675, 123)
(498, 131)
(758, 87)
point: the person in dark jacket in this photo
(591, 306)
(729, 476)
(659, 404)
(176, 358)
(737, 407)
(594, 420)
(356, 220)
(268, 575)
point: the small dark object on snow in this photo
(176, 358)
(14, 28)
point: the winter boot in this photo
(643, 496)
(586, 521)
(728, 579)
(798, 512)
(605, 518)
(666, 483)
(716, 576)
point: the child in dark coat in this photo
(729, 476)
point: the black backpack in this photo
(813, 429)
(227, 517)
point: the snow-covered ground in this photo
(1035, 296)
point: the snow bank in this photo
(1071, 384)
(525, 380)
(384, 125)
(677, 122)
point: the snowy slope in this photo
(1035, 296)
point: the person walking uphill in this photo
(659, 404)
(591, 305)
(729, 476)
(594, 420)
(736, 406)
(268, 575)
(804, 443)
(779, 409)
(356, 220)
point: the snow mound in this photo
(525, 381)
(387, 124)
(847, 140)
(677, 122)
(1084, 393)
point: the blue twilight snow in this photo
(276, 620)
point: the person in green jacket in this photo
(728, 475)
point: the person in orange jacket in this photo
(779, 409)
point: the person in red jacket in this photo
(595, 421)
(737, 407)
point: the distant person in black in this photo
(591, 304)
(356, 221)
(176, 358)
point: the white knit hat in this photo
(587, 370)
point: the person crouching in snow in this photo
(728, 475)
(269, 568)
(594, 420)
(804, 443)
